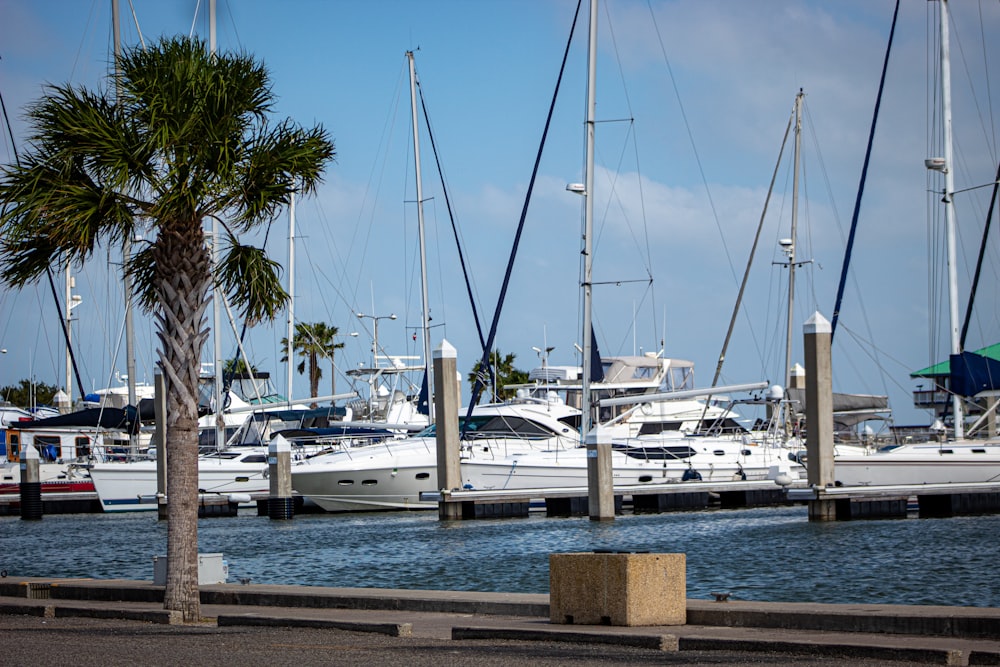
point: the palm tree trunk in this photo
(182, 332)
(313, 376)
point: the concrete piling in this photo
(446, 408)
(160, 438)
(31, 486)
(819, 414)
(280, 503)
(600, 478)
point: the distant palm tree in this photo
(498, 374)
(312, 341)
(177, 136)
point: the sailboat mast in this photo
(587, 417)
(69, 333)
(949, 211)
(220, 426)
(790, 249)
(127, 245)
(425, 311)
(290, 339)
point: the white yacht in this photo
(645, 459)
(131, 486)
(392, 475)
(954, 462)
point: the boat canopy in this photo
(848, 409)
(110, 418)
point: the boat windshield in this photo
(497, 426)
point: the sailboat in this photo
(954, 460)
(636, 457)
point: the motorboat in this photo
(392, 475)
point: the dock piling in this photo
(160, 436)
(600, 480)
(446, 407)
(31, 486)
(280, 503)
(819, 414)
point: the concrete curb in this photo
(160, 616)
(391, 629)
(655, 642)
(968, 622)
(839, 649)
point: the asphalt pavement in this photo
(112, 622)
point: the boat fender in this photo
(690, 474)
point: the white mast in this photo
(69, 333)
(423, 255)
(586, 417)
(290, 345)
(949, 211)
(790, 250)
(127, 245)
(220, 424)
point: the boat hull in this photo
(129, 487)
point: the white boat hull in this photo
(948, 463)
(129, 487)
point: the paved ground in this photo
(94, 622)
(31, 640)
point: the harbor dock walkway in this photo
(425, 627)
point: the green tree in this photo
(27, 394)
(498, 374)
(185, 137)
(238, 367)
(312, 341)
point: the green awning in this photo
(944, 367)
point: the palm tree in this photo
(501, 372)
(187, 138)
(313, 341)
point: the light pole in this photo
(371, 377)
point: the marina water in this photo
(767, 554)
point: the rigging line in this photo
(478, 386)
(632, 135)
(451, 216)
(979, 262)
(972, 87)
(986, 67)
(697, 158)
(746, 272)
(864, 178)
(48, 270)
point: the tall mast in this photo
(949, 211)
(127, 245)
(588, 244)
(790, 247)
(69, 332)
(425, 317)
(290, 341)
(220, 424)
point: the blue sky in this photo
(709, 85)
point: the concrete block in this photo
(626, 589)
